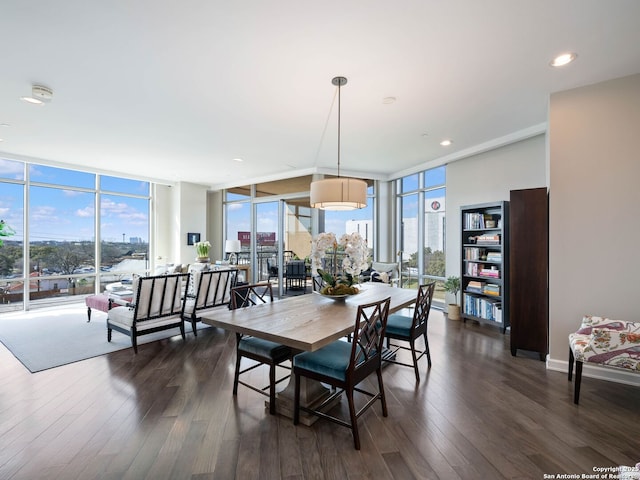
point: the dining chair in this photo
(345, 365)
(264, 352)
(296, 276)
(408, 328)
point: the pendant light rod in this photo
(339, 82)
(341, 193)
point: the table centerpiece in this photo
(339, 283)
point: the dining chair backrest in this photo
(368, 337)
(422, 308)
(296, 269)
(317, 282)
(248, 295)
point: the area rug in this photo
(51, 337)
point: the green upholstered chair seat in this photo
(399, 325)
(409, 328)
(331, 360)
(264, 348)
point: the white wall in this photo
(489, 177)
(594, 149)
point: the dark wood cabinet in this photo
(528, 270)
(485, 261)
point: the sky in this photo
(67, 214)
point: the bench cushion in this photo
(604, 341)
(123, 316)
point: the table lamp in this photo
(232, 247)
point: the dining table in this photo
(306, 322)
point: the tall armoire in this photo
(528, 270)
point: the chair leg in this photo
(576, 391)
(236, 376)
(426, 349)
(571, 359)
(415, 360)
(354, 418)
(296, 401)
(193, 327)
(272, 389)
(383, 398)
(182, 330)
(109, 334)
(134, 343)
(88, 314)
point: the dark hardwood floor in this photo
(168, 413)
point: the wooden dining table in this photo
(306, 323)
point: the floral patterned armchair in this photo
(604, 342)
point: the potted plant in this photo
(452, 285)
(202, 250)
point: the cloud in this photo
(85, 212)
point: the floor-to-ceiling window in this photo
(12, 194)
(283, 236)
(82, 231)
(421, 231)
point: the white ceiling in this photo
(176, 90)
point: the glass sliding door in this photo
(268, 257)
(238, 227)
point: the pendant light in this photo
(339, 193)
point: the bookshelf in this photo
(484, 258)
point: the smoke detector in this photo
(39, 95)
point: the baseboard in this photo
(594, 371)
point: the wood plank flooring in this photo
(168, 413)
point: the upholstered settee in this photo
(605, 342)
(157, 305)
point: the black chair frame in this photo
(246, 296)
(421, 311)
(367, 343)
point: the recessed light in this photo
(446, 143)
(4, 125)
(388, 100)
(1, 139)
(239, 160)
(563, 59)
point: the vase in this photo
(337, 298)
(202, 259)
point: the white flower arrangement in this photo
(356, 256)
(202, 248)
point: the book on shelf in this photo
(472, 269)
(474, 253)
(489, 272)
(475, 286)
(486, 308)
(488, 239)
(491, 289)
(494, 256)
